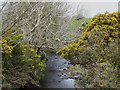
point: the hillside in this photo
(73, 29)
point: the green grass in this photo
(77, 23)
(73, 27)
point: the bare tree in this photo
(43, 23)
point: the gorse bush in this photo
(99, 44)
(98, 36)
(21, 63)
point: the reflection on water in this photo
(55, 76)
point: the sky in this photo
(92, 8)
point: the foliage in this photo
(99, 44)
(21, 63)
(103, 75)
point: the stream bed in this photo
(55, 74)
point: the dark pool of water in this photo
(55, 76)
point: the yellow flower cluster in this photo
(15, 53)
(5, 47)
(106, 25)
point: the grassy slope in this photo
(77, 23)
(73, 27)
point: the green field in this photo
(74, 27)
(77, 23)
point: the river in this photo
(55, 74)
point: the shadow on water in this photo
(55, 76)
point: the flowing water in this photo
(55, 76)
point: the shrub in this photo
(99, 44)
(102, 30)
(21, 63)
(103, 75)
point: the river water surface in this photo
(55, 76)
